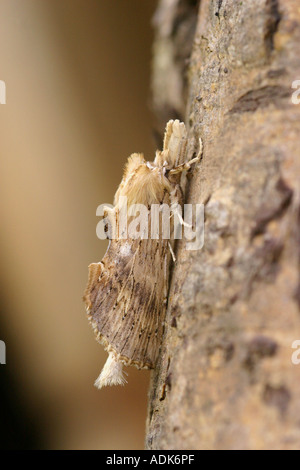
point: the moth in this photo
(126, 293)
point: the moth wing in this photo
(125, 297)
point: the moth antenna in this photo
(200, 148)
(111, 374)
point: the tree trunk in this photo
(225, 377)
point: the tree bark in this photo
(225, 378)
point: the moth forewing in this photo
(127, 291)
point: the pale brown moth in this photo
(126, 294)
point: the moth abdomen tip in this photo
(112, 373)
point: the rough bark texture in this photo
(225, 379)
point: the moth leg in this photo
(177, 212)
(187, 165)
(176, 198)
(112, 373)
(172, 252)
(166, 272)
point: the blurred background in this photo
(77, 76)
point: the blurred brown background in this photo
(77, 74)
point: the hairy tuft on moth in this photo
(126, 293)
(112, 373)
